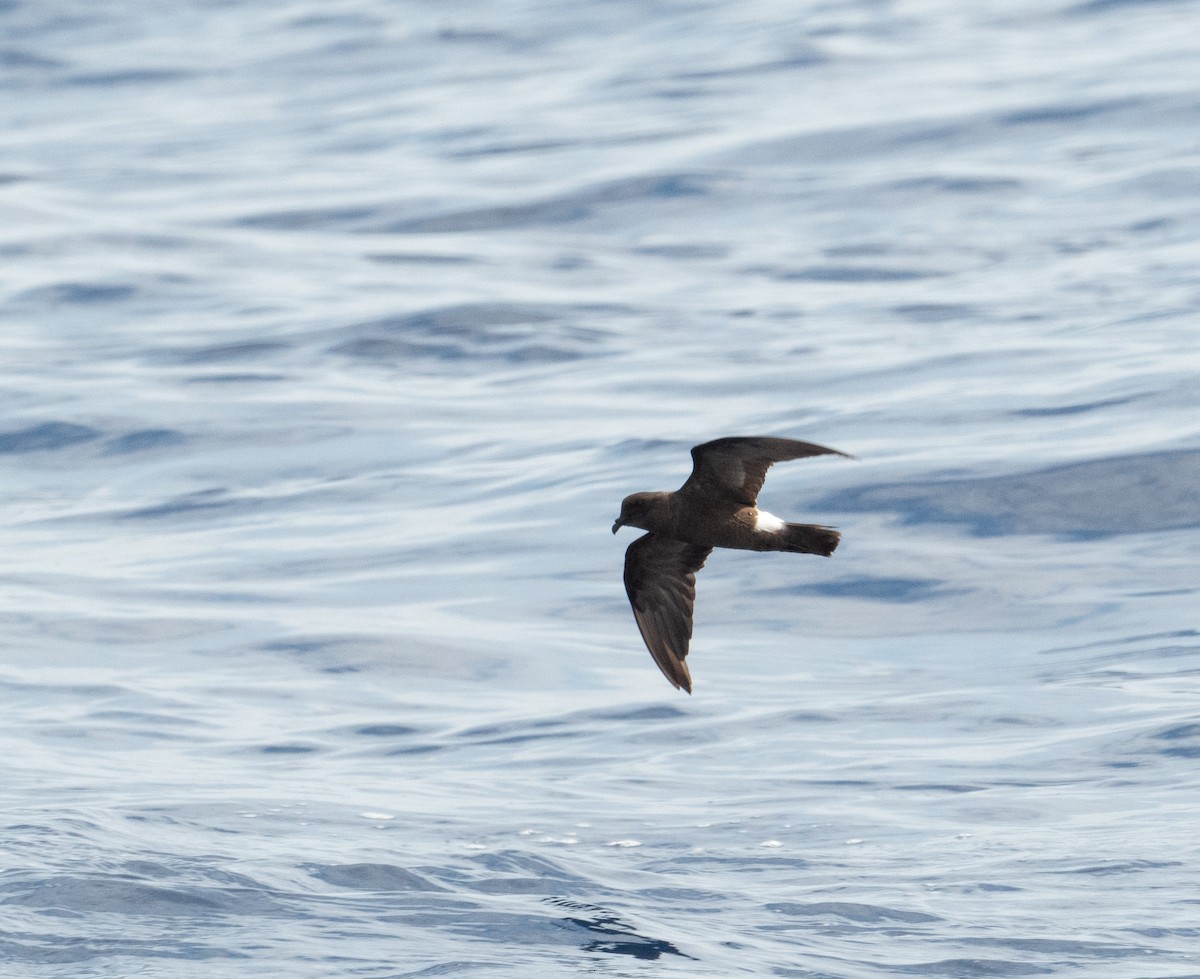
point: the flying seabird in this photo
(716, 507)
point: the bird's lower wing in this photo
(660, 579)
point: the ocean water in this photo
(333, 335)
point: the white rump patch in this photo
(768, 523)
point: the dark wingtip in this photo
(827, 451)
(676, 672)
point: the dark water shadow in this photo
(376, 877)
(144, 440)
(901, 591)
(1132, 494)
(606, 932)
(506, 333)
(45, 437)
(575, 205)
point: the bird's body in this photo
(714, 523)
(716, 507)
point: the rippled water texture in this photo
(333, 336)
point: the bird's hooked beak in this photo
(618, 525)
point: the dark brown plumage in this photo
(716, 507)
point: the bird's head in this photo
(638, 511)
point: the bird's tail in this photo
(806, 538)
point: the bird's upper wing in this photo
(734, 468)
(660, 579)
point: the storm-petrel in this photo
(716, 507)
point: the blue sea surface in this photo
(331, 337)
